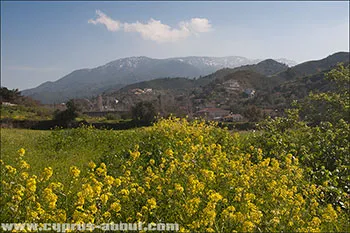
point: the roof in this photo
(233, 115)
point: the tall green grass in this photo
(61, 149)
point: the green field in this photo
(25, 113)
(63, 148)
(57, 149)
(194, 173)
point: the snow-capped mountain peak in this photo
(288, 62)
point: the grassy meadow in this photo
(20, 112)
(196, 174)
(57, 149)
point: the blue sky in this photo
(43, 41)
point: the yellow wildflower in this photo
(50, 197)
(179, 188)
(124, 192)
(24, 165)
(330, 214)
(92, 165)
(117, 182)
(47, 173)
(215, 197)
(135, 155)
(11, 169)
(248, 226)
(152, 203)
(109, 180)
(169, 152)
(61, 216)
(140, 190)
(115, 206)
(75, 171)
(31, 184)
(104, 198)
(21, 152)
(24, 175)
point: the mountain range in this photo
(275, 86)
(86, 83)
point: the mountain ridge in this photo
(118, 73)
(231, 88)
(89, 82)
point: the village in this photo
(166, 103)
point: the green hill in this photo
(314, 67)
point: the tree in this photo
(7, 95)
(69, 114)
(253, 113)
(329, 106)
(144, 113)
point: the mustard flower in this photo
(75, 171)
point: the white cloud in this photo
(155, 30)
(197, 25)
(112, 25)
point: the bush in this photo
(323, 151)
(111, 116)
(329, 106)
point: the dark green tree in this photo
(7, 95)
(144, 113)
(253, 113)
(69, 114)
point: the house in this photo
(212, 113)
(233, 118)
(137, 91)
(8, 104)
(250, 92)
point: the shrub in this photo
(322, 143)
(111, 116)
